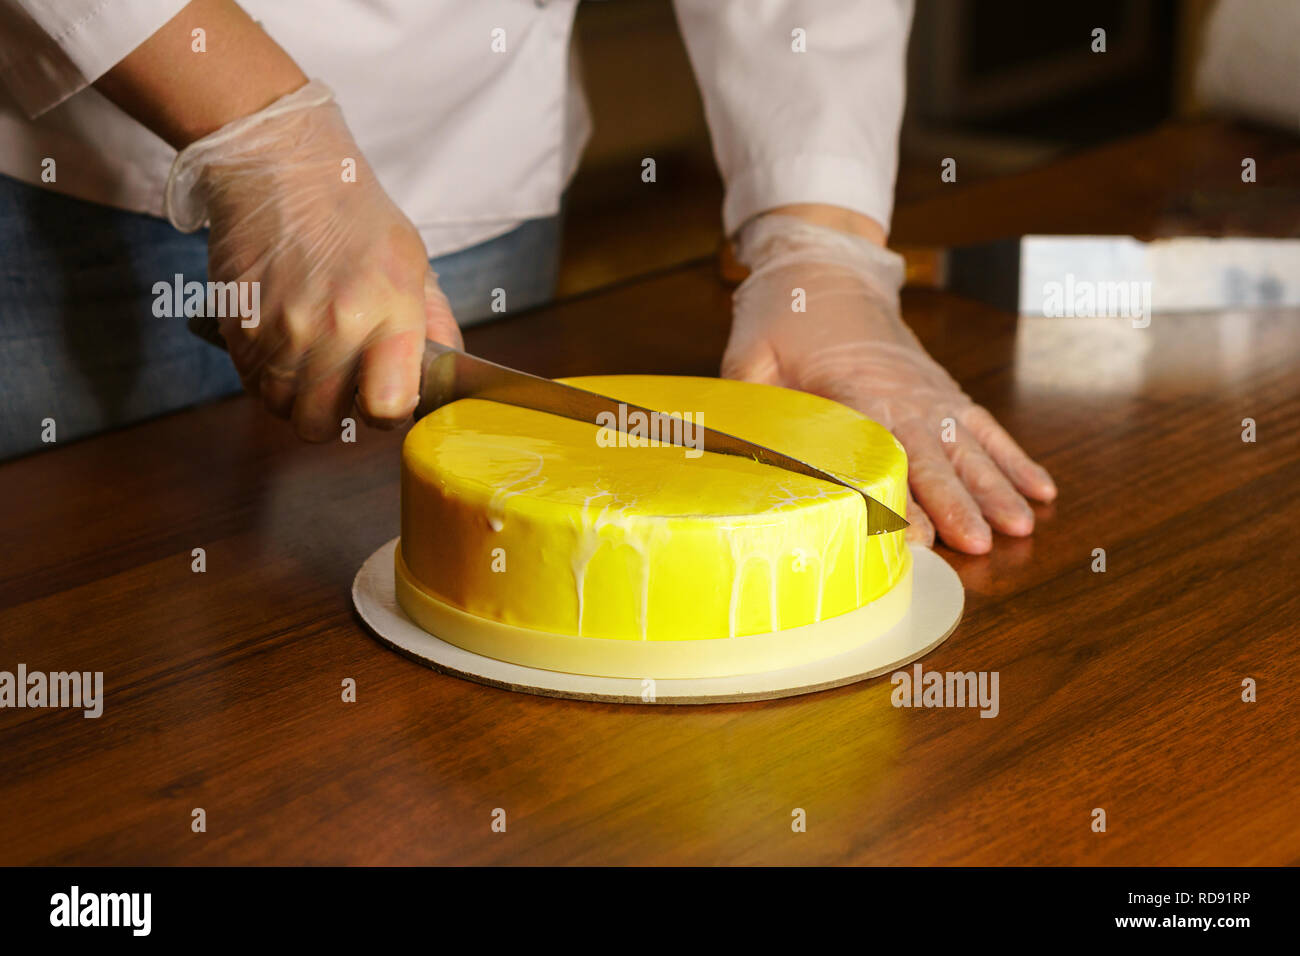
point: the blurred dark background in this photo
(1005, 86)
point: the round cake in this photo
(559, 544)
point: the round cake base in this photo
(937, 601)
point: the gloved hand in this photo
(851, 345)
(347, 297)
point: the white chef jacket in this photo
(803, 99)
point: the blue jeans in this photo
(79, 342)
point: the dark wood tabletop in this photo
(1119, 690)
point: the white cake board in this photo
(937, 601)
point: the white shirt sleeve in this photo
(817, 126)
(51, 50)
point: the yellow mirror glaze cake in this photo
(539, 540)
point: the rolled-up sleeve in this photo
(51, 50)
(804, 99)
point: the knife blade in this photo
(448, 374)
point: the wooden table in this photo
(1120, 690)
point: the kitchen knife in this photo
(448, 374)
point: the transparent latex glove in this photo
(851, 345)
(346, 294)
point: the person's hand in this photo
(346, 294)
(851, 345)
